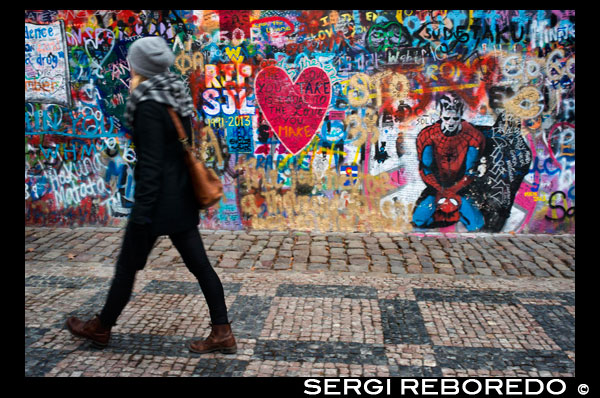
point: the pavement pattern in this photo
(311, 304)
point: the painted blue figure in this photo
(449, 152)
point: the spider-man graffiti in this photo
(449, 153)
(390, 66)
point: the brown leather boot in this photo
(92, 330)
(220, 339)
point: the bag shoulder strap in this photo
(180, 131)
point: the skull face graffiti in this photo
(382, 37)
(451, 110)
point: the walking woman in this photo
(164, 199)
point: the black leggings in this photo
(137, 245)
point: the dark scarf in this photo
(166, 88)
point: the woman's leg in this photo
(190, 247)
(137, 245)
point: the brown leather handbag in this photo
(208, 187)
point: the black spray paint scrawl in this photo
(507, 161)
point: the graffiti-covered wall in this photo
(338, 120)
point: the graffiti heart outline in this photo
(298, 101)
(95, 44)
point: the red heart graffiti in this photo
(293, 110)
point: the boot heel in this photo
(92, 330)
(220, 339)
(98, 345)
(229, 350)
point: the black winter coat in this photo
(164, 197)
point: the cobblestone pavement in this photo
(306, 304)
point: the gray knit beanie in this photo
(150, 56)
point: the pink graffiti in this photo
(293, 110)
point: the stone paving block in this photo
(379, 258)
(402, 322)
(227, 263)
(484, 271)
(354, 244)
(299, 266)
(248, 314)
(483, 325)
(40, 362)
(317, 266)
(358, 260)
(414, 268)
(339, 257)
(267, 256)
(319, 250)
(379, 267)
(557, 322)
(282, 264)
(447, 271)
(233, 254)
(284, 253)
(338, 265)
(184, 288)
(358, 267)
(356, 252)
(422, 309)
(315, 352)
(502, 359)
(326, 291)
(397, 268)
(264, 264)
(161, 261)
